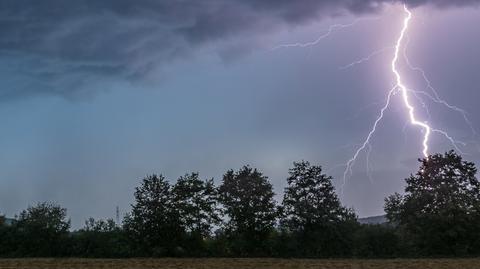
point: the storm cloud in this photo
(56, 46)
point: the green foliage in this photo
(196, 203)
(439, 214)
(101, 226)
(7, 239)
(313, 213)
(100, 239)
(247, 200)
(42, 230)
(154, 224)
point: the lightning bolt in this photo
(366, 58)
(433, 96)
(330, 30)
(402, 89)
(436, 97)
(411, 110)
(351, 162)
(404, 92)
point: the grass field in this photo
(240, 263)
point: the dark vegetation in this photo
(437, 216)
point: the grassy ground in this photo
(240, 264)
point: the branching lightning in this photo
(436, 97)
(411, 110)
(404, 92)
(433, 96)
(316, 41)
(399, 89)
(329, 31)
(366, 58)
(351, 162)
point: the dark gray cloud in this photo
(55, 46)
(441, 3)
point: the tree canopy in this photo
(438, 214)
(44, 229)
(154, 224)
(247, 199)
(440, 210)
(312, 211)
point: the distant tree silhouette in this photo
(8, 242)
(154, 223)
(312, 212)
(92, 225)
(247, 200)
(42, 230)
(439, 214)
(196, 203)
(100, 239)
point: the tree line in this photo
(437, 215)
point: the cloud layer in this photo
(55, 46)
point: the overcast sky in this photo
(97, 94)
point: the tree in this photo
(439, 214)
(312, 211)
(7, 238)
(247, 199)
(100, 239)
(92, 225)
(43, 230)
(196, 203)
(154, 224)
